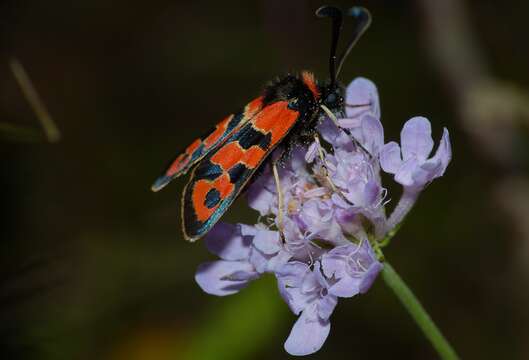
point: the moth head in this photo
(332, 96)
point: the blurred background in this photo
(93, 265)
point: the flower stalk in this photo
(418, 313)
(406, 202)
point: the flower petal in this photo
(404, 175)
(435, 166)
(297, 159)
(278, 260)
(444, 152)
(390, 159)
(326, 306)
(339, 201)
(332, 265)
(333, 135)
(425, 173)
(416, 139)
(295, 299)
(259, 260)
(350, 123)
(224, 277)
(260, 198)
(346, 286)
(312, 152)
(328, 131)
(310, 282)
(248, 230)
(362, 91)
(372, 191)
(370, 276)
(289, 280)
(292, 273)
(307, 335)
(372, 134)
(267, 241)
(226, 241)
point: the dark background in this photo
(93, 265)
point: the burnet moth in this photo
(286, 114)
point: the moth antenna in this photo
(363, 20)
(336, 16)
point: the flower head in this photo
(320, 244)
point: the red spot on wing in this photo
(183, 159)
(201, 189)
(276, 119)
(253, 107)
(219, 131)
(308, 79)
(176, 165)
(194, 145)
(232, 154)
(253, 156)
(227, 156)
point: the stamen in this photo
(360, 265)
(311, 259)
(358, 247)
(383, 194)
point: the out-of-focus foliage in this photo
(240, 328)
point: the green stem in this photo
(32, 96)
(418, 313)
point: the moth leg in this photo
(326, 170)
(335, 121)
(324, 163)
(280, 201)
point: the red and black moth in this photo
(285, 115)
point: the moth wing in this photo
(222, 174)
(202, 146)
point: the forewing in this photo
(202, 146)
(222, 174)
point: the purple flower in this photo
(345, 271)
(409, 162)
(311, 289)
(245, 251)
(305, 291)
(333, 216)
(352, 268)
(234, 271)
(361, 98)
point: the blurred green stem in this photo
(418, 313)
(32, 96)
